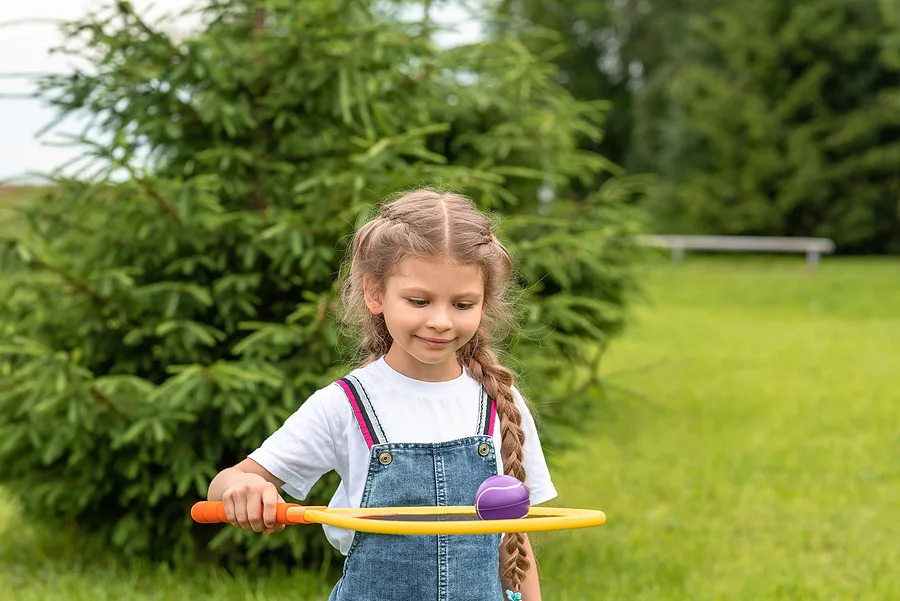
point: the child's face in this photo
(432, 308)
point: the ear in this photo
(372, 296)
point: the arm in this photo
(531, 586)
(249, 494)
(245, 471)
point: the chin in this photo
(435, 359)
(431, 356)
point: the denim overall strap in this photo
(362, 408)
(487, 414)
(382, 567)
(370, 425)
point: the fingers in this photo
(269, 505)
(277, 527)
(253, 507)
(228, 505)
(254, 510)
(244, 509)
(240, 510)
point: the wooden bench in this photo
(814, 248)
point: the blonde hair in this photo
(433, 225)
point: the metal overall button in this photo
(385, 458)
(484, 449)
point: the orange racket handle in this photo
(213, 512)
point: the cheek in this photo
(471, 319)
(399, 316)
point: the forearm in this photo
(531, 586)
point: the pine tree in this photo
(174, 303)
(619, 52)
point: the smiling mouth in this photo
(434, 340)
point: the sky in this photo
(28, 31)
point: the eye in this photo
(464, 306)
(417, 302)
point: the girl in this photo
(419, 423)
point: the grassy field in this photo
(746, 450)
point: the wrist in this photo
(229, 478)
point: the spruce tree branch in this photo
(426, 18)
(103, 399)
(167, 207)
(70, 280)
(67, 223)
(256, 187)
(424, 33)
(163, 203)
(107, 402)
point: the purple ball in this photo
(502, 498)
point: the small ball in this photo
(502, 498)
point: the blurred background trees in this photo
(758, 117)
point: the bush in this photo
(174, 303)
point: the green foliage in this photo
(769, 117)
(171, 306)
(616, 51)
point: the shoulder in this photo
(325, 408)
(331, 402)
(334, 398)
(335, 392)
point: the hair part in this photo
(432, 225)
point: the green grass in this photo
(746, 450)
(37, 564)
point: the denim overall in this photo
(383, 567)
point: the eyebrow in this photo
(424, 292)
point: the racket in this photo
(416, 520)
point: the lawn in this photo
(744, 450)
(748, 446)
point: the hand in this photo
(250, 504)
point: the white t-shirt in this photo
(323, 435)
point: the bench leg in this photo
(812, 259)
(677, 254)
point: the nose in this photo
(439, 320)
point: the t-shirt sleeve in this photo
(303, 448)
(537, 477)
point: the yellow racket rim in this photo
(540, 519)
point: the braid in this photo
(497, 380)
(376, 340)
